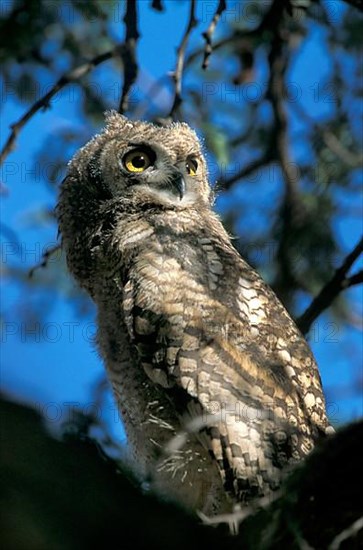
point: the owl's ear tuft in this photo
(115, 121)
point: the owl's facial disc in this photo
(151, 170)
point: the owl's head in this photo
(141, 161)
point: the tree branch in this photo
(44, 102)
(292, 212)
(178, 74)
(355, 279)
(94, 500)
(128, 53)
(330, 291)
(268, 23)
(208, 34)
(45, 259)
(356, 4)
(157, 5)
(254, 165)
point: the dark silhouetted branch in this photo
(70, 495)
(10, 234)
(45, 259)
(332, 289)
(157, 5)
(355, 279)
(291, 210)
(178, 73)
(128, 53)
(44, 101)
(94, 500)
(268, 24)
(250, 168)
(355, 3)
(208, 34)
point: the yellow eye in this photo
(137, 160)
(192, 166)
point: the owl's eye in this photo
(138, 160)
(192, 166)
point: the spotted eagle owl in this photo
(188, 331)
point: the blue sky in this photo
(56, 363)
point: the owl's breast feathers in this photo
(176, 301)
(213, 334)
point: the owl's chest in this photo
(167, 277)
(171, 269)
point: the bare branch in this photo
(157, 5)
(9, 233)
(44, 102)
(332, 289)
(355, 279)
(291, 211)
(128, 53)
(355, 3)
(208, 34)
(178, 74)
(106, 498)
(349, 533)
(216, 46)
(269, 23)
(254, 165)
(276, 92)
(45, 259)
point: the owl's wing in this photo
(229, 352)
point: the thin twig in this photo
(268, 23)
(45, 259)
(128, 54)
(208, 34)
(157, 5)
(356, 279)
(356, 4)
(330, 291)
(276, 92)
(178, 74)
(238, 516)
(291, 210)
(44, 102)
(10, 234)
(349, 533)
(250, 168)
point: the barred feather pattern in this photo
(186, 328)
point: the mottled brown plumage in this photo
(187, 328)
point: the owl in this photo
(218, 390)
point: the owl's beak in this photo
(179, 184)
